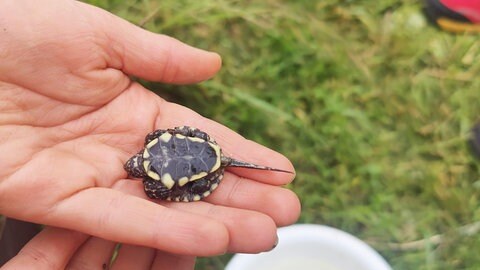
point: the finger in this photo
(233, 145)
(95, 253)
(249, 231)
(124, 218)
(281, 204)
(165, 260)
(134, 257)
(151, 56)
(52, 248)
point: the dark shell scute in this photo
(180, 147)
(197, 148)
(182, 157)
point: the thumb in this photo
(152, 56)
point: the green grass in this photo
(371, 103)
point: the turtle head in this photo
(134, 166)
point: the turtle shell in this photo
(182, 164)
(175, 159)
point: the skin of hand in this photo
(70, 116)
(55, 248)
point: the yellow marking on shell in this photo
(182, 181)
(214, 186)
(198, 176)
(152, 143)
(179, 136)
(168, 181)
(206, 193)
(177, 199)
(195, 139)
(168, 199)
(146, 154)
(185, 199)
(197, 198)
(146, 165)
(153, 175)
(166, 137)
(218, 162)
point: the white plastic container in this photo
(313, 247)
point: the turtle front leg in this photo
(191, 132)
(155, 189)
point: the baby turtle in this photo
(182, 164)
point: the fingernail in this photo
(274, 245)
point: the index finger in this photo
(233, 144)
(120, 217)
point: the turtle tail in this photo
(230, 162)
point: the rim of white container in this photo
(325, 235)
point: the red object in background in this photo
(468, 8)
(455, 15)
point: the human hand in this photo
(70, 117)
(55, 248)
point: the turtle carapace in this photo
(182, 164)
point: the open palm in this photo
(70, 116)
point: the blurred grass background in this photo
(371, 103)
